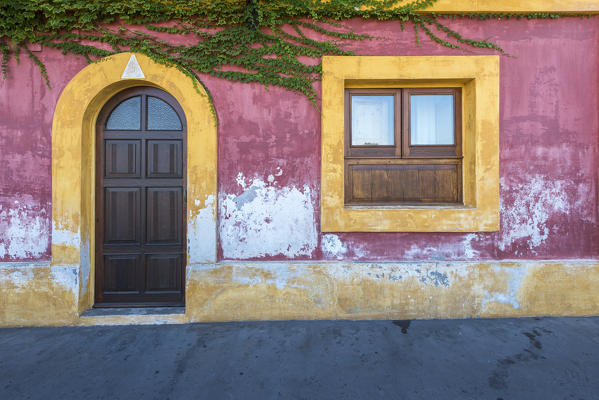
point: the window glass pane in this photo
(126, 116)
(372, 122)
(161, 116)
(432, 119)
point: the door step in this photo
(97, 312)
(133, 316)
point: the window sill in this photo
(409, 207)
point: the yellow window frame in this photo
(478, 76)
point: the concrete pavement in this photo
(529, 358)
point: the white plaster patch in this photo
(445, 250)
(67, 277)
(133, 70)
(584, 202)
(427, 274)
(240, 179)
(415, 252)
(360, 251)
(201, 233)
(65, 237)
(24, 232)
(85, 267)
(535, 202)
(279, 274)
(332, 246)
(267, 221)
(469, 252)
(17, 276)
(516, 276)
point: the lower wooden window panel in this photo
(403, 182)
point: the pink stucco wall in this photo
(269, 155)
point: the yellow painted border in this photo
(73, 161)
(515, 6)
(236, 291)
(479, 78)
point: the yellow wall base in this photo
(36, 295)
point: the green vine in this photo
(272, 42)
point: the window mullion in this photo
(398, 123)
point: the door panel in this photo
(164, 159)
(122, 216)
(121, 274)
(163, 273)
(123, 159)
(140, 201)
(163, 216)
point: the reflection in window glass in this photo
(372, 122)
(431, 120)
(161, 116)
(126, 116)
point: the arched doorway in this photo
(140, 200)
(74, 164)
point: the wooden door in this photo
(140, 200)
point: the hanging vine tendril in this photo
(270, 42)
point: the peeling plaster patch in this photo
(267, 221)
(445, 250)
(516, 276)
(67, 277)
(332, 246)
(469, 252)
(429, 253)
(278, 274)
(64, 236)
(434, 278)
(201, 233)
(240, 180)
(18, 276)
(24, 232)
(428, 274)
(85, 266)
(584, 202)
(535, 202)
(359, 251)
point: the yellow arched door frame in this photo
(73, 161)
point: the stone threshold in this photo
(133, 316)
(97, 312)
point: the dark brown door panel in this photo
(123, 159)
(122, 219)
(164, 216)
(163, 273)
(121, 273)
(164, 159)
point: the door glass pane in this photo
(372, 122)
(432, 119)
(161, 116)
(126, 116)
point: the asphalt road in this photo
(529, 358)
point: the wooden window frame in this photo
(432, 151)
(403, 152)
